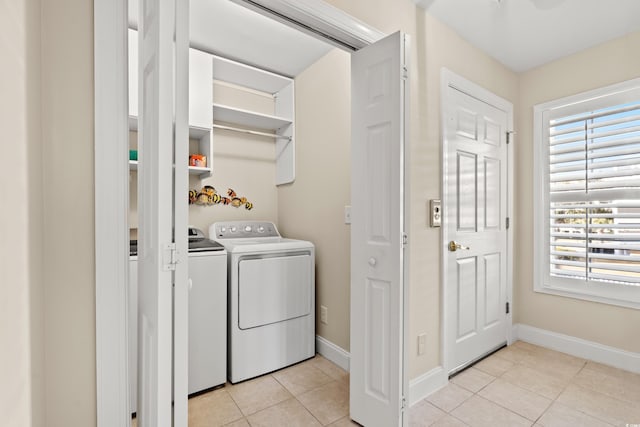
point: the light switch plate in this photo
(347, 214)
(435, 209)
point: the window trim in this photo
(619, 295)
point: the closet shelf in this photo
(194, 131)
(133, 165)
(250, 119)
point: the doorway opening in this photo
(120, 367)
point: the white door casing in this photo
(160, 115)
(476, 205)
(377, 256)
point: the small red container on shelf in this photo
(198, 160)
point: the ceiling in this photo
(523, 34)
(235, 32)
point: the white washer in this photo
(207, 316)
(271, 298)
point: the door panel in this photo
(475, 213)
(467, 297)
(466, 192)
(180, 214)
(492, 178)
(493, 286)
(377, 258)
(154, 178)
(377, 345)
(163, 71)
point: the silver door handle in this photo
(453, 246)
(372, 262)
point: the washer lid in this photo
(204, 245)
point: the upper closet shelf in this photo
(250, 119)
(248, 76)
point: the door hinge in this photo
(169, 257)
(405, 240)
(507, 223)
(507, 308)
(403, 403)
(510, 133)
(405, 73)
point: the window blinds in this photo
(594, 190)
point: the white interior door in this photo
(163, 56)
(377, 249)
(475, 227)
(181, 215)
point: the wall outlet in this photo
(422, 343)
(324, 316)
(347, 214)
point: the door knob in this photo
(372, 262)
(453, 246)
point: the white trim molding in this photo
(426, 384)
(319, 19)
(579, 347)
(111, 206)
(333, 352)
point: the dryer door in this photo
(273, 290)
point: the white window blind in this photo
(591, 182)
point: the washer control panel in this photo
(242, 230)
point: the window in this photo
(587, 190)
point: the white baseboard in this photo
(578, 347)
(427, 383)
(332, 352)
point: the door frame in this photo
(450, 79)
(111, 144)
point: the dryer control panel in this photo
(243, 230)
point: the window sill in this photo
(592, 297)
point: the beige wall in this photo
(242, 162)
(312, 208)
(68, 191)
(603, 65)
(247, 165)
(21, 326)
(440, 47)
(433, 46)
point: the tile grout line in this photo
(307, 391)
(589, 415)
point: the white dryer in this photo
(271, 298)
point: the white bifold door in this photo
(378, 88)
(163, 303)
(476, 229)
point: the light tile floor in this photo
(522, 385)
(312, 393)
(527, 385)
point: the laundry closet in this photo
(247, 113)
(242, 146)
